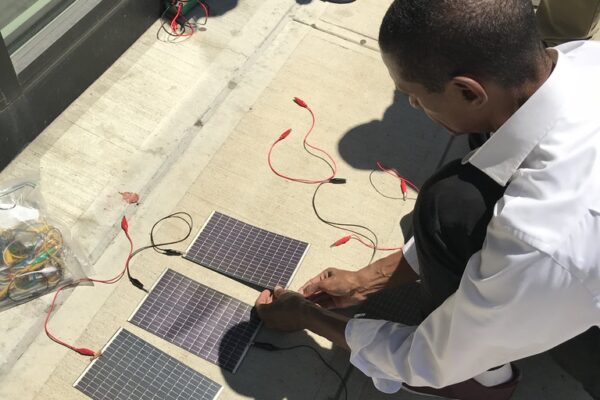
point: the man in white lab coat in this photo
(506, 240)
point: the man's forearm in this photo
(328, 324)
(389, 271)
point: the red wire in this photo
(83, 350)
(394, 172)
(305, 142)
(312, 126)
(369, 245)
(186, 22)
(174, 19)
(205, 11)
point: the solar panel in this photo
(133, 369)
(245, 252)
(199, 319)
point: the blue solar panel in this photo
(133, 369)
(205, 322)
(245, 252)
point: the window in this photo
(21, 20)
(44, 41)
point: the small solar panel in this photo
(133, 369)
(245, 252)
(205, 322)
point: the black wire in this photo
(378, 191)
(158, 247)
(178, 215)
(381, 193)
(339, 225)
(343, 226)
(162, 26)
(272, 347)
(319, 157)
(165, 21)
(186, 23)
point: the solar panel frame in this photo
(160, 314)
(272, 268)
(100, 378)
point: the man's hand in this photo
(334, 288)
(288, 311)
(282, 310)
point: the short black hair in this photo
(435, 40)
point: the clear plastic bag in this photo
(36, 253)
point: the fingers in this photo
(313, 285)
(328, 303)
(265, 297)
(308, 288)
(278, 291)
(323, 300)
(318, 297)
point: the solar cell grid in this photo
(199, 319)
(131, 368)
(245, 252)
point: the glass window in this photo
(20, 20)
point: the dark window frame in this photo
(9, 83)
(38, 50)
(34, 91)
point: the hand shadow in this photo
(295, 374)
(405, 139)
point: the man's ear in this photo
(471, 90)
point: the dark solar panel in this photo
(245, 252)
(205, 322)
(133, 369)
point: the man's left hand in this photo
(282, 310)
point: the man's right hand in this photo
(334, 288)
(337, 288)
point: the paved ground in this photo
(187, 125)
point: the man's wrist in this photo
(376, 275)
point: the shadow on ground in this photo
(220, 7)
(405, 139)
(294, 374)
(298, 373)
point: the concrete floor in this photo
(187, 125)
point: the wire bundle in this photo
(179, 29)
(32, 261)
(158, 247)
(325, 156)
(364, 239)
(327, 159)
